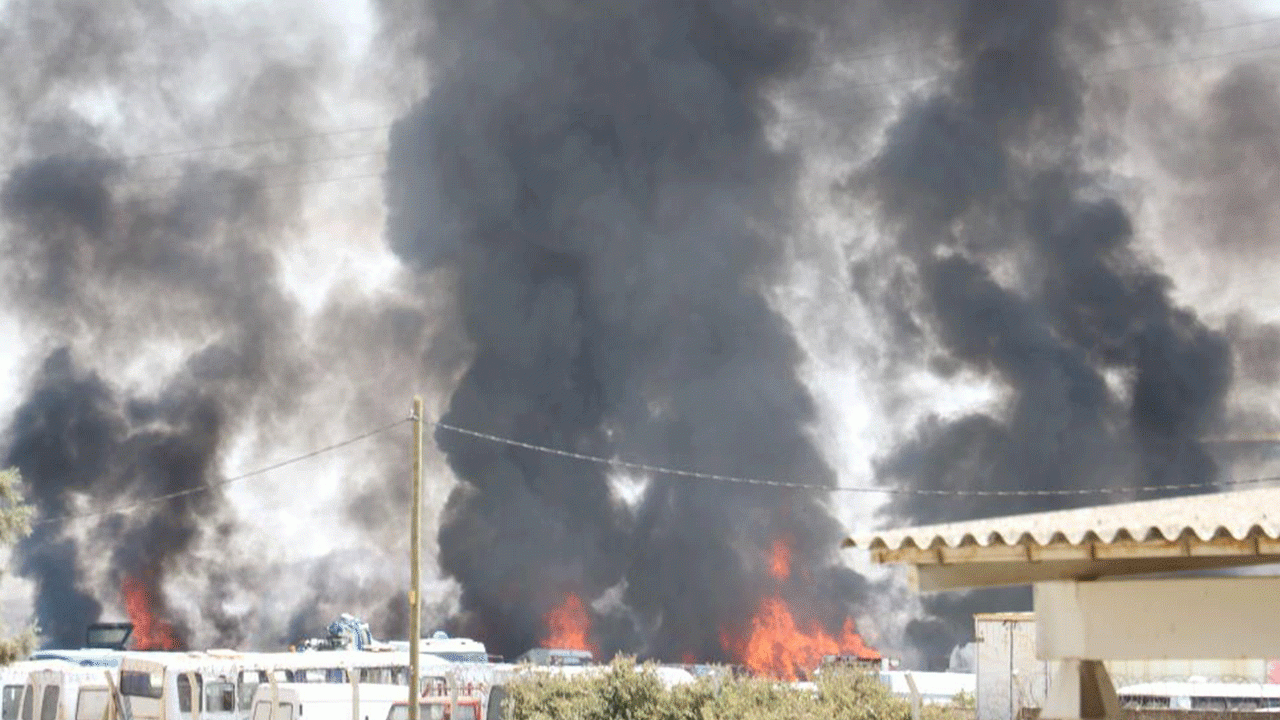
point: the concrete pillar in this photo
(1081, 690)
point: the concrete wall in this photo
(1010, 678)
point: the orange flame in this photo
(778, 647)
(149, 632)
(780, 560)
(569, 626)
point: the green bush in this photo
(628, 691)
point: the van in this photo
(439, 708)
(53, 690)
(72, 693)
(325, 701)
(221, 684)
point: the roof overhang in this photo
(1080, 622)
(1196, 533)
(945, 568)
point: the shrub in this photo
(627, 691)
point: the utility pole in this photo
(415, 562)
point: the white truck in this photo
(325, 701)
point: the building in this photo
(1117, 582)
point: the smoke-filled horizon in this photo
(599, 230)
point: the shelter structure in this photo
(1128, 581)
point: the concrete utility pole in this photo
(415, 561)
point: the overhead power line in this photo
(127, 507)
(699, 475)
(323, 181)
(1102, 72)
(384, 126)
(259, 141)
(1189, 60)
(650, 469)
(241, 170)
(1133, 42)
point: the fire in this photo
(778, 647)
(780, 560)
(569, 626)
(149, 631)
(775, 645)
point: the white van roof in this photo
(331, 692)
(20, 670)
(72, 674)
(88, 656)
(221, 660)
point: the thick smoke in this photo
(958, 191)
(599, 181)
(1023, 270)
(109, 261)
(77, 434)
(597, 215)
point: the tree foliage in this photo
(15, 524)
(628, 691)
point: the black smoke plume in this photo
(84, 444)
(75, 435)
(598, 180)
(1023, 271)
(110, 259)
(598, 209)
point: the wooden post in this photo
(415, 562)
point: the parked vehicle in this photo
(1201, 696)
(439, 708)
(453, 649)
(220, 684)
(21, 698)
(71, 692)
(87, 657)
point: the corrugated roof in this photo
(1237, 514)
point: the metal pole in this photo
(415, 564)
(353, 675)
(915, 696)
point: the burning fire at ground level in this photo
(569, 626)
(774, 644)
(150, 632)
